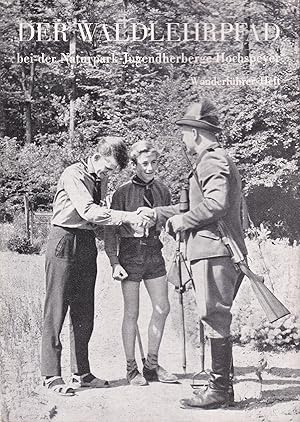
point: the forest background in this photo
(50, 114)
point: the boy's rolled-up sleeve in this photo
(83, 201)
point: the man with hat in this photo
(214, 194)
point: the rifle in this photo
(272, 306)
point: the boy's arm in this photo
(84, 204)
(111, 237)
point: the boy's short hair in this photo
(139, 147)
(113, 146)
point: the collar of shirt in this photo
(88, 166)
(138, 181)
(200, 154)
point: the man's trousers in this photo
(70, 283)
(215, 281)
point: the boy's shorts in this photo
(142, 258)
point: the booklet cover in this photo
(72, 71)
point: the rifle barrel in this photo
(272, 306)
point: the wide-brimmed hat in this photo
(202, 115)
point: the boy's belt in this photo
(75, 231)
(151, 240)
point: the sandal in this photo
(88, 380)
(57, 385)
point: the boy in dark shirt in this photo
(135, 255)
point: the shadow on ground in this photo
(276, 371)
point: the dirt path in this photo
(159, 402)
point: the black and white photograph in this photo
(149, 211)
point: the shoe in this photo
(216, 395)
(209, 399)
(159, 374)
(199, 391)
(133, 375)
(87, 380)
(137, 380)
(57, 385)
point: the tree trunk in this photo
(28, 122)
(246, 45)
(27, 83)
(73, 85)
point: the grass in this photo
(22, 294)
(6, 231)
(22, 291)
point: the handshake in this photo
(145, 218)
(142, 217)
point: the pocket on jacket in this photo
(209, 234)
(66, 247)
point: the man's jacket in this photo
(218, 196)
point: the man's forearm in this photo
(102, 215)
(107, 217)
(164, 213)
(208, 211)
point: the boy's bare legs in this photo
(158, 292)
(131, 297)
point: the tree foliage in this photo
(261, 123)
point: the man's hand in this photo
(119, 273)
(175, 224)
(133, 218)
(148, 215)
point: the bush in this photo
(21, 244)
(31, 170)
(269, 336)
(13, 236)
(278, 262)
